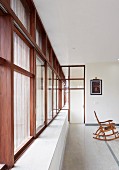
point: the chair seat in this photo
(107, 128)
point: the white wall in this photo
(107, 104)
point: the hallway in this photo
(85, 153)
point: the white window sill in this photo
(40, 154)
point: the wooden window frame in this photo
(45, 116)
(13, 24)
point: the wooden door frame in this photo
(69, 66)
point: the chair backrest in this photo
(97, 118)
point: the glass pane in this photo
(62, 94)
(76, 72)
(49, 94)
(47, 53)
(55, 95)
(40, 116)
(76, 83)
(21, 9)
(65, 71)
(21, 109)
(21, 53)
(66, 93)
(38, 38)
(77, 106)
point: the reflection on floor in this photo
(85, 153)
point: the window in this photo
(76, 72)
(22, 11)
(40, 115)
(66, 71)
(55, 95)
(76, 83)
(38, 37)
(30, 86)
(21, 109)
(62, 94)
(21, 93)
(49, 94)
(21, 53)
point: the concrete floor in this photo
(85, 153)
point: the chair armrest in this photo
(107, 121)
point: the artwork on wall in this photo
(96, 87)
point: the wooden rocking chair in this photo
(106, 131)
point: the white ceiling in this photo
(81, 31)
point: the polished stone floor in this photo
(85, 153)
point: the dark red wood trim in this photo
(22, 71)
(14, 67)
(6, 94)
(33, 93)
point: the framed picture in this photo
(96, 87)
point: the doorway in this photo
(75, 88)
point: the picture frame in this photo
(96, 87)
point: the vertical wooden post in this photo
(56, 95)
(46, 47)
(69, 94)
(6, 93)
(44, 43)
(52, 94)
(33, 23)
(51, 56)
(33, 80)
(84, 96)
(57, 104)
(33, 93)
(65, 95)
